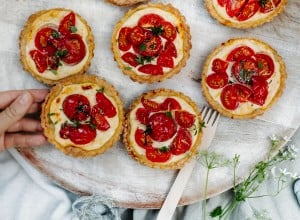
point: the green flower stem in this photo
(205, 195)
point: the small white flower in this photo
(273, 137)
(294, 176)
(283, 171)
(293, 148)
(286, 138)
(273, 171)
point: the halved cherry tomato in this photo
(243, 92)
(217, 80)
(105, 105)
(156, 155)
(150, 105)
(99, 119)
(39, 60)
(124, 43)
(52, 62)
(222, 2)
(142, 138)
(137, 35)
(170, 49)
(184, 118)
(67, 22)
(151, 46)
(162, 127)
(150, 20)
(243, 70)
(165, 60)
(233, 7)
(229, 97)
(170, 104)
(265, 65)
(65, 130)
(75, 48)
(151, 69)
(260, 90)
(240, 53)
(130, 58)
(170, 32)
(266, 7)
(248, 10)
(76, 107)
(182, 142)
(219, 66)
(83, 134)
(142, 115)
(43, 38)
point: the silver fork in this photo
(211, 118)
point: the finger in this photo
(35, 107)
(26, 124)
(15, 111)
(7, 97)
(24, 140)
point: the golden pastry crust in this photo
(49, 127)
(25, 38)
(177, 164)
(256, 111)
(183, 31)
(125, 2)
(225, 20)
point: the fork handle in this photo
(167, 210)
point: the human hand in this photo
(17, 130)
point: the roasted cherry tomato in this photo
(105, 105)
(260, 90)
(151, 69)
(137, 35)
(170, 49)
(65, 130)
(150, 105)
(130, 58)
(233, 7)
(76, 107)
(239, 53)
(243, 92)
(39, 60)
(142, 138)
(124, 43)
(184, 118)
(65, 26)
(43, 38)
(243, 70)
(170, 104)
(265, 65)
(75, 48)
(251, 7)
(52, 62)
(217, 80)
(222, 2)
(98, 119)
(157, 155)
(151, 46)
(182, 142)
(229, 97)
(162, 127)
(150, 21)
(142, 115)
(268, 6)
(165, 60)
(83, 134)
(169, 32)
(219, 66)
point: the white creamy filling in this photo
(222, 11)
(273, 82)
(53, 19)
(135, 124)
(178, 42)
(58, 117)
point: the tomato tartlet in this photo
(244, 13)
(56, 44)
(83, 116)
(151, 42)
(243, 77)
(163, 129)
(126, 2)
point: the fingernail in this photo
(24, 98)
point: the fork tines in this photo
(209, 115)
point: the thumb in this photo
(15, 111)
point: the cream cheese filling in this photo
(135, 124)
(273, 82)
(178, 42)
(58, 117)
(52, 19)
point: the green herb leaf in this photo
(263, 3)
(164, 149)
(140, 60)
(73, 29)
(92, 125)
(55, 34)
(128, 68)
(157, 30)
(75, 123)
(51, 114)
(61, 53)
(216, 212)
(260, 65)
(169, 114)
(100, 90)
(143, 47)
(53, 71)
